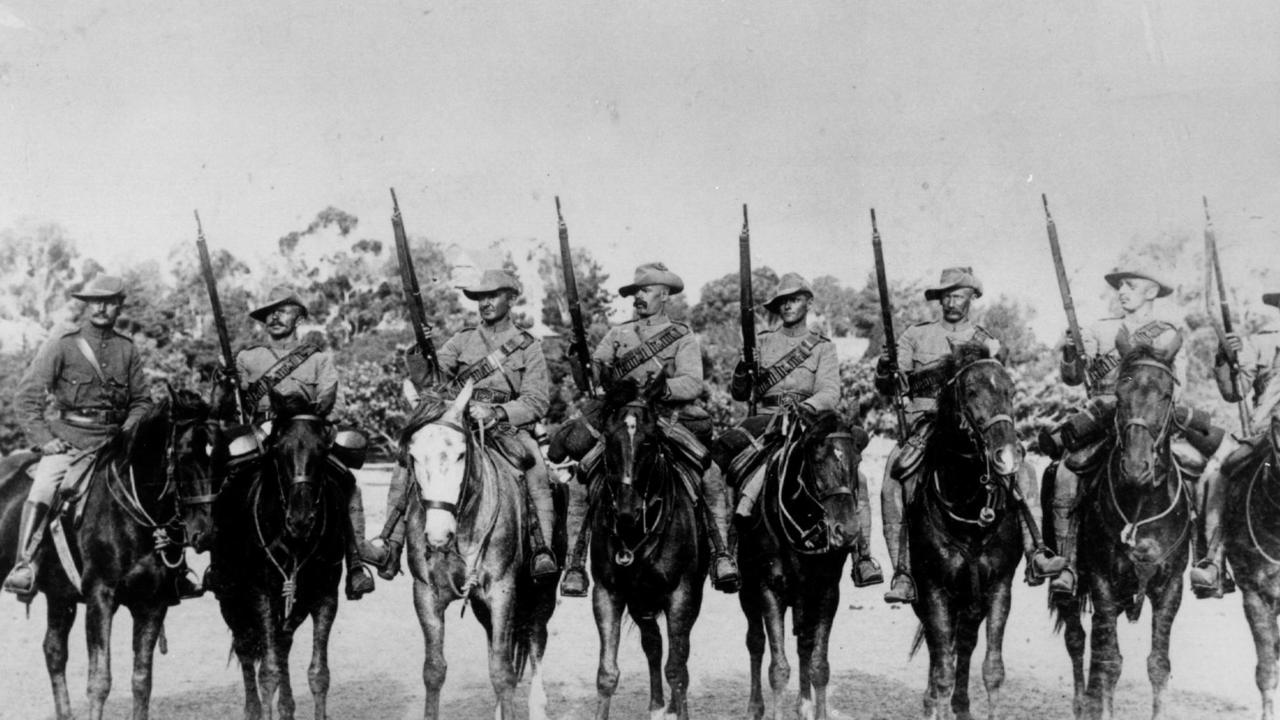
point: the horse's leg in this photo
(1075, 638)
(651, 642)
(1262, 623)
(824, 615)
(430, 608)
(607, 607)
(502, 675)
(61, 615)
(252, 702)
(966, 639)
(538, 646)
(286, 702)
(270, 659)
(775, 626)
(318, 672)
(99, 608)
(147, 623)
(803, 622)
(1105, 660)
(682, 612)
(939, 635)
(993, 663)
(1164, 609)
(749, 598)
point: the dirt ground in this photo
(376, 659)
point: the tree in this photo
(719, 299)
(39, 267)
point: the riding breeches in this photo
(48, 475)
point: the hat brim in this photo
(263, 312)
(91, 296)
(629, 290)
(776, 301)
(1272, 299)
(937, 293)
(1114, 279)
(475, 293)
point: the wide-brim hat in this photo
(653, 274)
(492, 281)
(279, 296)
(1272, 299)
(1115, 278)
(952, 278)
(103, 287)
(790, 284)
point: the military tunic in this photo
(522, 375)
(926, 346)
(815, 382)
(1101, 343)
(62, 370)
(682, 359)
(315, 379)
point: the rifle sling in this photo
(792, 360)
(272, 377)
(491, 363)
(647, 350)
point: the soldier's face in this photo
(494, 306)
(1136, 292)
(103, 313)
(794, 309)
(955, 304)
(283, 321)
(650, 300)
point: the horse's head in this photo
(831, 454)
(435, 443)
(191, 466)
(632, 428)
(297, 445)
(1144, 413)
(979, 397)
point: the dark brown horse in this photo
(793, 554)
(281, 539)
(146, 488)
(963, 524)
(1252, 524)
(1135, 531)
(466, 541)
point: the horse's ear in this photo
(410, 393)
(173, 394)
(460, 402)
(994, 348)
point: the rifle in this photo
(413, 295)
(886, 319)
(1233, 362)
(219, 320)
(579, 355)
(1064, 289)
(746, 306)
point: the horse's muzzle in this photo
(1006, 459)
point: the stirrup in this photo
(1205, 584)
(731, 581)
(23, 590)
(866, 572)
(359, 582)
(1064, 587)
(575, 581)
(543, 565)
(906, 594)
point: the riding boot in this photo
(1066, 526)
(542, 521)
(724, 569)
(22, 578)
(575, 582)
(1208, 576)
(865, 570)
(1041, 562)
(359, 580)
(902, 589)
(186, 585)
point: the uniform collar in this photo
(800, 329)
(285, 345)
(964, 324)
(95, 333)
(497, 328)
(654, 320)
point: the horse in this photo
(145, 488)
(466, 541)
(963, 528)
(1136, 526)
(793, 552)
(281, 540)
(1252, 526)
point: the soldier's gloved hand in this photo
(807, 411)
(54, 447)
(1232, 346)
(486, 414)
(740, 384)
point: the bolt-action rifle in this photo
(219, 320)
(886, 319)
(579, 355)
(412, 293)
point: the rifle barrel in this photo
(1064, 288)
(578, 343)
(215, 305)
(886, 320)
(746, 306)
(409, 282)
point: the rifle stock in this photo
(746, 306)
(413, 295)
(219, 320)
(1064, 290)
(886, 319)
(579, 355)
(1233, 362)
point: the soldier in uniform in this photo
(511, 393)
(289, 366)
(95, 377)
(1259, 361)
(922, 353)
(799, 368)
(638, 350)
(1082, 435)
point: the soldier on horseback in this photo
(95, 377)
(922, 352)
(1259, 360)
(1079, 440)
(290, 366)
(636, 351)
(509, 374)
(800, 370)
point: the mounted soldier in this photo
(799, 370)
(636, 351)
(1259, 361)
(922, 353)
(1080, 439)
(286, 366)
(95, 377)
(511, 393)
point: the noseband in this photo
(972, 428)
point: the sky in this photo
(654, 122)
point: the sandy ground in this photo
(376, 659)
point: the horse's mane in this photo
(965, 354)
(431, 407)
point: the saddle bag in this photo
(686, 443)
(351, 447)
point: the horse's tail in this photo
(1048, 528)
(917, 641)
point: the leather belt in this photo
(92, 417)
(494, 397)
(780, 399)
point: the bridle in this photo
(976, 432)
(203, 477)
(1160, 435)
(974, 429)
